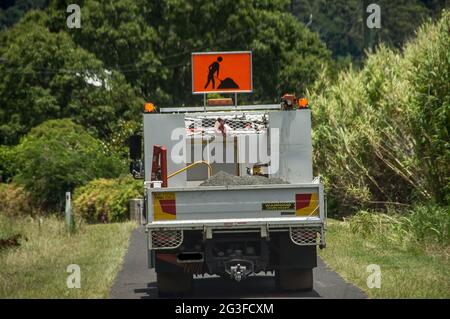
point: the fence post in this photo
(68, 211)
(136, 210)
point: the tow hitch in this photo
(239, 269)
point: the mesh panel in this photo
(304, 236)
(244, 123)
(166, 239)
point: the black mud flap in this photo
(295, 256)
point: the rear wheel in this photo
(294, 279)
(171, 284)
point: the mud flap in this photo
(295, 256)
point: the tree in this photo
(286, 56)
(340, 22)
(58, 156)
(7, 165)
(45, 75)
(151, 43)
(12, 11)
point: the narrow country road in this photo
(136, 281)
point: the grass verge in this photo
(38, 267)
(407, 271)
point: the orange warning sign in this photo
(222, 72)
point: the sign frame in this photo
(222, 53)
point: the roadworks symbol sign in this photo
(222, 72)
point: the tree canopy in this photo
(340, 22)
(58, 156)
(129, 51)
(46, 75)
(380, 132)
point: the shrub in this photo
(423, 224)
(382, 227)
(14, 201)
(7, 167)
(58, 156)
(105, 200)
(430, 223)
(118, 141)
(8, 229)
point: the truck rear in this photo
(235, 203)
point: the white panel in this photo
(240, 203)
(295, 145)
(158, 130)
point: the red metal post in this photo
(155, 161)
(164, 166)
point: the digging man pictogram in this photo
(213, 68)
(213, 71)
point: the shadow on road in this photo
(135, 280)
(216, 287)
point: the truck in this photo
(271, 225)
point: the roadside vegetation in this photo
(36, 267)
(60, 155)
(382, 145)
(381, 134)
(70, 99)
(409, 251)
(106, 200)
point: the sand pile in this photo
(225, 179)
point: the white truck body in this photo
(211, 223)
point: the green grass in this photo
(37, 268)
(407, 270)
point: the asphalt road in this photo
(136, 281)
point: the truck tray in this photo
(218, 205)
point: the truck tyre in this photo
(171, 284)
(294, 279)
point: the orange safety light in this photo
(303, 103)
(149, 108)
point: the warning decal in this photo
(306, 205)
(278, 206)
(164, 206)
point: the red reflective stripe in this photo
(168, 206)
(302, 201)
(170, 258)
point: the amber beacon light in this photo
(303, 103)
(149, 108)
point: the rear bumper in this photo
(235, 224)
(303, 231)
